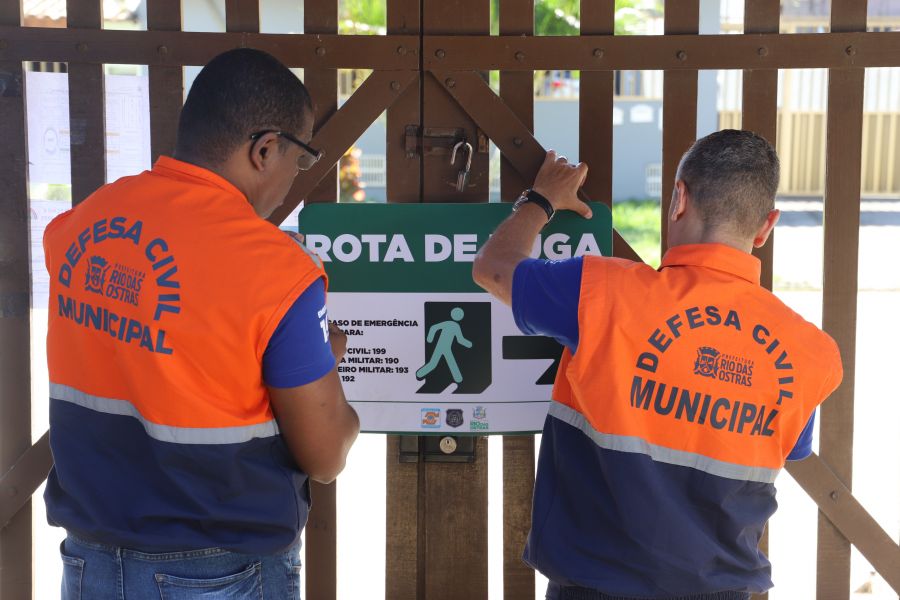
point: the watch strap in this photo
(530, 195)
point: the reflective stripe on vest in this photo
(636, 445)
(164, 433)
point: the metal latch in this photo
(435, 141)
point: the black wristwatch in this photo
(530, 195)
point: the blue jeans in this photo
(98, 572)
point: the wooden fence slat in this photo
(518, 489)
(15, 321)
(840, 277)
(321, 543)
(455, 524)
(19, 481)
(760, 113)
(595, 105)
(321, 17)
(404, 170)
(844, 511)
(166, 82)
(242, 15)
(631, 52)
(679, 106)
(464, 17)
(637, 52)
(87, 108)
(197, 48)
(403, 577)
(453, 513)
(517, 91)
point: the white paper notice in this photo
(47, 101)
(42, 212)
(127, 126)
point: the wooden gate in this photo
(428, 74)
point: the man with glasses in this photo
(193, 375)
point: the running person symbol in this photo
(447, 332)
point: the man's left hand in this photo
(559, 181)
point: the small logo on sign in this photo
(431, 418)
(707, 363)
(96, 274)
(454, 417)
(479, 419)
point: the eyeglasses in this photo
(315, 154)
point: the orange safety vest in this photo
(165, 290)
(696, 364)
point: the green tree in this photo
(366, 12)
(551, 17)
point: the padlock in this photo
(463, 176)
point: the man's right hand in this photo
(338, 341)
(559, 181)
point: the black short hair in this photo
(237, 93)
(732, 177)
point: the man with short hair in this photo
(194, 389)
(681, 392)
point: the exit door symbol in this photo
(457, 347)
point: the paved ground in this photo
(799, 245)
(798, 255)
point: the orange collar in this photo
(177, 169)
(715, 256)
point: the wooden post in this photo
(679, 106)
(166, 82)
(403, 575)
(87, 107)
(840, 277)
(595, 105)
(321, 17)
(760, 108)
(439, 110)
(517, 91)
(404, 169)
(321, 530)
(242, 15)
(760, 113)
(15, 319)
(453, 496)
